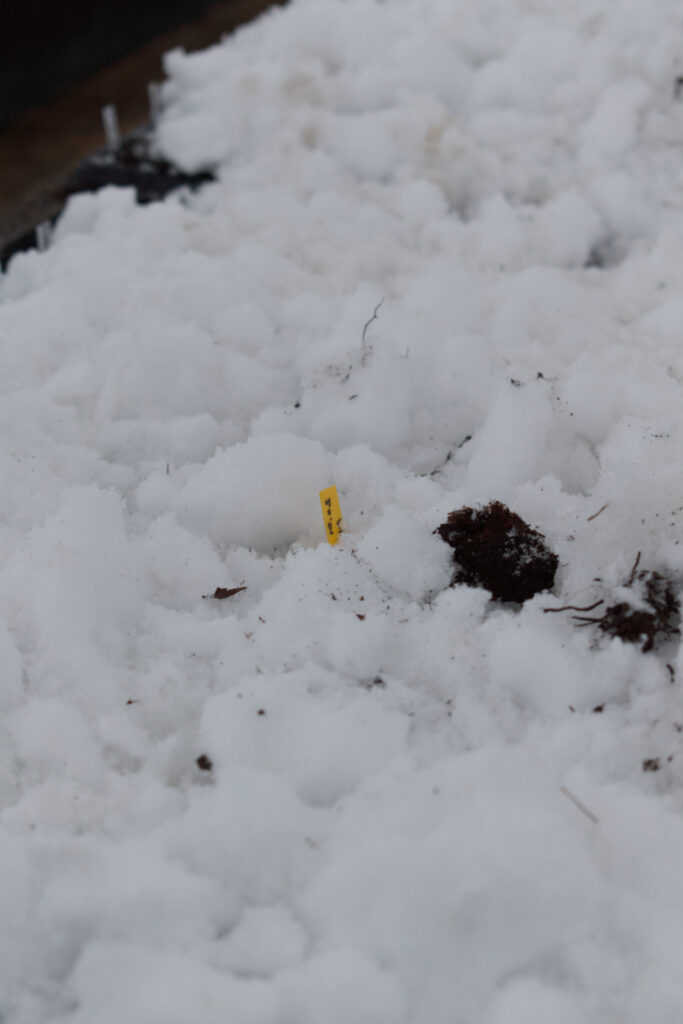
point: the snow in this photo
(441, 265)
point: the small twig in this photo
(373, 317)
(438, 469)
(365, 349)
(575, 608)
(585, 619)
(578, 804)
(596, 514)
(633, 570)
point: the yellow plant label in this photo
(329, 502)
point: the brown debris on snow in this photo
(651, 615)
(220, 593)
(494, 548)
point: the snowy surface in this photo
(382, 837)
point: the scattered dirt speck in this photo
(598, 709)
(494, 548)
(261, 711)
(651, 764)
(204, 763)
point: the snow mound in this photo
(440, 267)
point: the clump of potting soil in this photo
(494, 548)
(649, 610)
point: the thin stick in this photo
(575, 607)
(596, 514)
(633, 570)
(581, 806)
(373, 317)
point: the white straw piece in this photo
(579, 804)
(43, 235)
(110, 123)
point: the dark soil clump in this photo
(652, 614)
(134, 164)
(494, 548)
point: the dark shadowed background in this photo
(60, 63)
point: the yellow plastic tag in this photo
(329, 502)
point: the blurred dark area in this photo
(60, 63)
(46, 46)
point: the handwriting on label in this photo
(329, 502)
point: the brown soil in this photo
(494, 548)
(654, 614)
